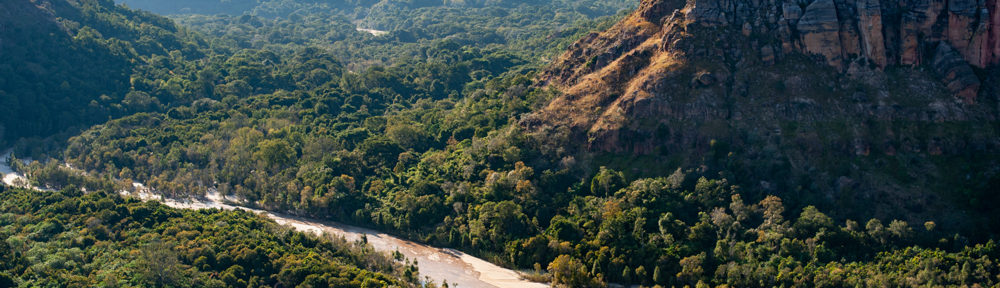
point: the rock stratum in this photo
(851, 102)
(837, 32)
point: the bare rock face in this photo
(654, 11)
(711, 12)
(800, 84)
(920, 25)
(962, 27)
(993, 42)
(973, 29)
(880, 32)
(958, 76)
(791, 11)
(820, 30)
(870, 24)
(636, 68)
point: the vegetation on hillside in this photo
(69, 65)
(416, 133)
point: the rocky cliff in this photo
(858, 101)
(667, 49)
(837, 32)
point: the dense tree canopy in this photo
(414, 132)
(66, 238)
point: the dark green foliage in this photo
(235, 7)
(65, 238)
(416, 132)
(76, 69)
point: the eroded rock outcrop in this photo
(642, 67)
(796, 85)
(880, 32)
(820, 30)
(870, 24)
(956, 73)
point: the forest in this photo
(416, 132)
(69, 238)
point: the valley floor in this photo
(439, 264)
(453, 266)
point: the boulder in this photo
(791, 12)
(704, 79)
(956, 73)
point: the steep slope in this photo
(950, 35)
(67, 63)
(870, 108)
(44, 66)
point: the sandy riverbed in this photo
(439, 264)
(372, 31)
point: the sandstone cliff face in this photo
(826, 90)
(613, 78)
(879, 32)
(632, 60)
(820, 30)
(871, 26)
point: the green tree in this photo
(569, 272)
(877, 231)
(408, 137)
(641, 276)
(691, 268)
(158, 265)
(607, 181)
(659, 277)
(900, 229)
(276, 153)
(627, 276)
(811, 221)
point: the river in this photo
(9, 177)
(440, 264)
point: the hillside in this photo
(68, 64)
(807, 101)
(684, 144)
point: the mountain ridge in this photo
(696, 83)
(841, 33)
